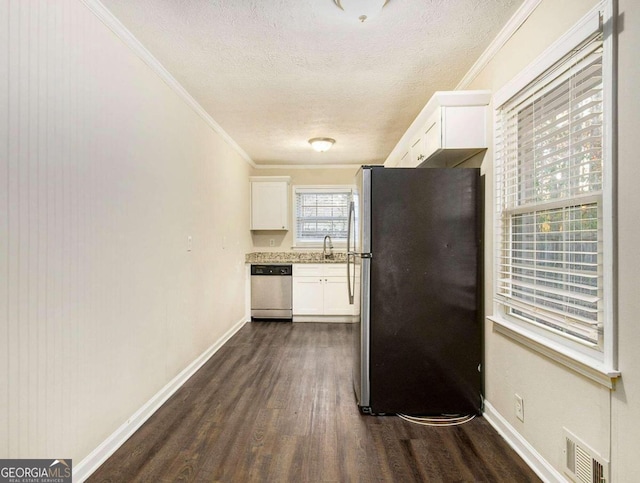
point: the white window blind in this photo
(321, 212)
(549, 177)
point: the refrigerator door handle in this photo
(350, 225)
(349, 253)
(349, 278)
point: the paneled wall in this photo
(104, 174)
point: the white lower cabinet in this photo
(308, 296)
(320, 290)
(336, 296)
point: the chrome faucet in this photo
(324, 247)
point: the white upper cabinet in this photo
(270, 202)
(454, 133)
(451, 128)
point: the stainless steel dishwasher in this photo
(271, 292)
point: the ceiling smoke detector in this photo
(321, 144)
(361, 9)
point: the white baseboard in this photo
(339, 319)
(99, 455)
(536, 462)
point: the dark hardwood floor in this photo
(276, 404)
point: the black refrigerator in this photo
(414, 263)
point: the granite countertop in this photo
(294, 257)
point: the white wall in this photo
(283, 240)
(557, 397)
(625, 428)
(104, 173)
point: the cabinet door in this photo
(269, 205)
(464, 127)
(432, 134)
(416, 153)
(336, 296)
(308, 295)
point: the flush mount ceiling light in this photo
(361, 9)
(321, 144)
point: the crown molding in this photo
(510, 28)
(113, 24)
(587, 27)
(307, 166)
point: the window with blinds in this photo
(549, 181)
(321, 212)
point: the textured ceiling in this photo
(275, 73)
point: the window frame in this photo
(599, 364)
(302, 244)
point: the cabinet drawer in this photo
(319, 269)
(335, 270)
(308, 270)
(432, 134)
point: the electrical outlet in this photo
(519, 408)
(189, 243)
(272, 242)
